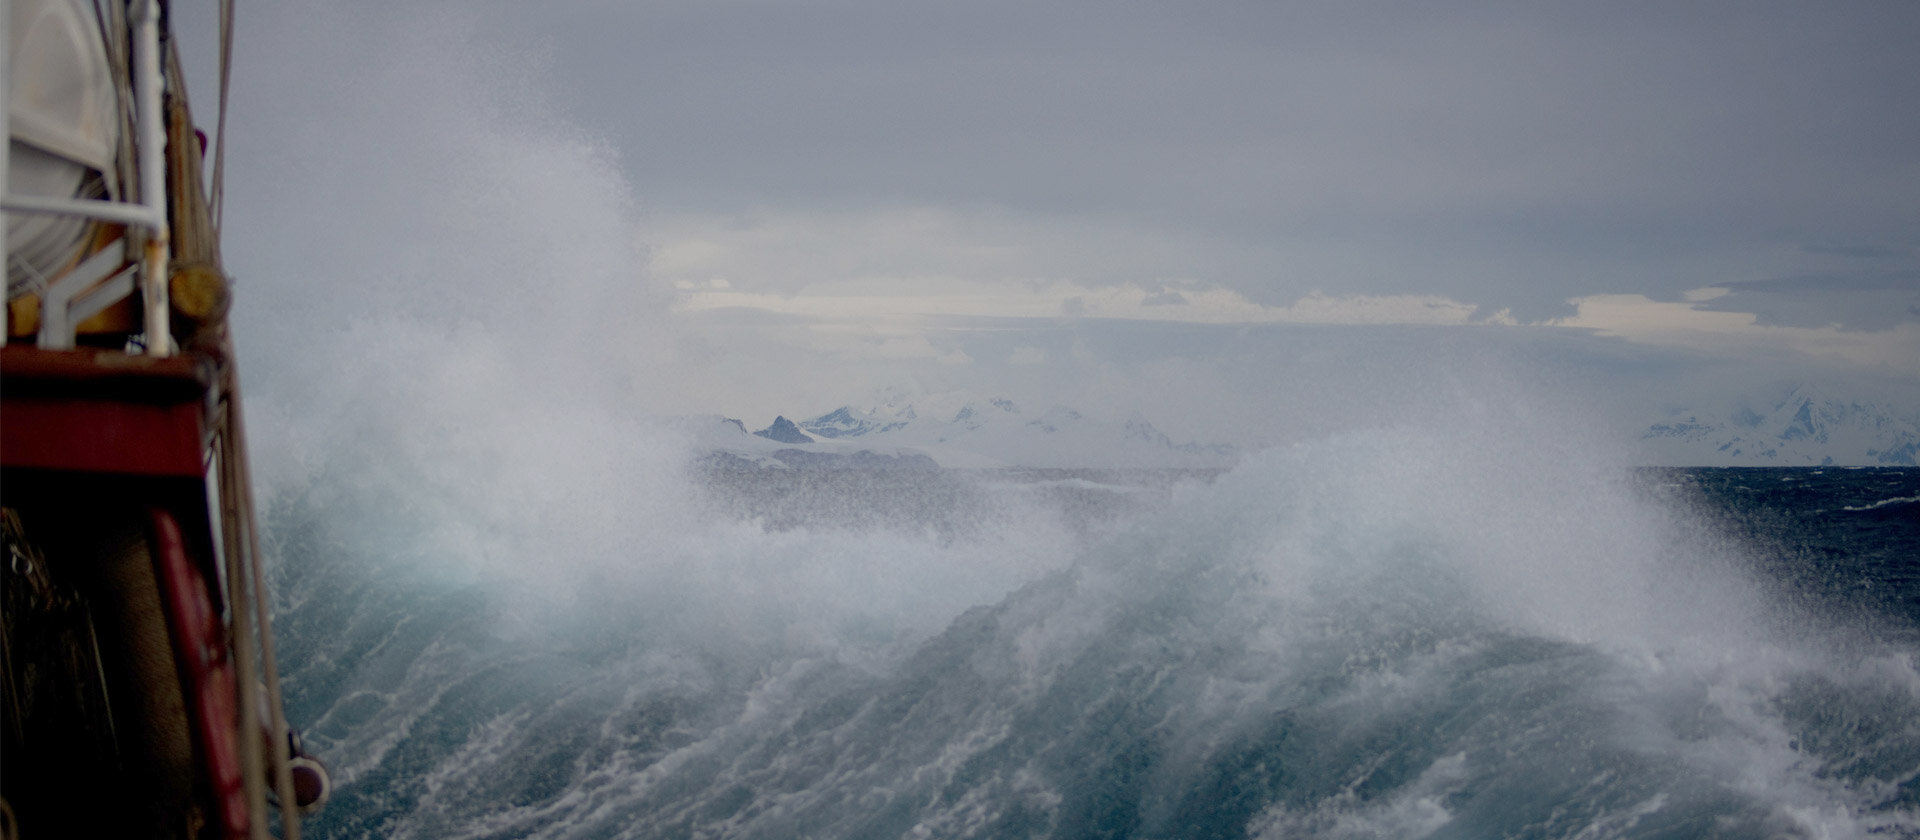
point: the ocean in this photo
(508, 606)
(1365, 636)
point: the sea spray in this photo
(1312, 645)
(510, 607)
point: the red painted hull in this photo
(98, 442)
(101, 412)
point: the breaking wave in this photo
(1356, 638)
(509, 607)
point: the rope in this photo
(239, 592)
(220, 125)
(261, 605)
(252, 609)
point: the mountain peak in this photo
(784, 431)
(844, 422)
(961, 428)
(975, 413)
(1793, 426)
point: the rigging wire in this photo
(220, 125)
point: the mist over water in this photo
(1356, 638)
(511, 606)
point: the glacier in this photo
(1799, 425)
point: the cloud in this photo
(1830, 283)
(923, 262)
(924, 298)
(851, 194)
(1027, 355)
(1511, 156)
(1689, 324)
(784, 250)
(1859, 251)
(1868, 301)
(1319, 308)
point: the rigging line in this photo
(262, 608)
(220, 125)
(240, 603)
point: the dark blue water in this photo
(1351, 639)
(1847, 540)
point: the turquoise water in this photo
(1336, 640)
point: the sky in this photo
(1248, 221)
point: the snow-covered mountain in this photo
(952, 430)
(725, 442)
(961, 430)
(783, 431)
(1797, 427)
(844, 423)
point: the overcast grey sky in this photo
(1115, 202)
(1507, 155)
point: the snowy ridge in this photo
(954, 430)
(843, 422)
(726, 442)
(959, 430)
(1797, 427)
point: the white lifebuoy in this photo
(63, 112)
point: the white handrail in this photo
(6, 122)
(121, 212)
(247, 590)
(153, 173)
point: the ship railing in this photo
(107, 277)
(80, 293)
